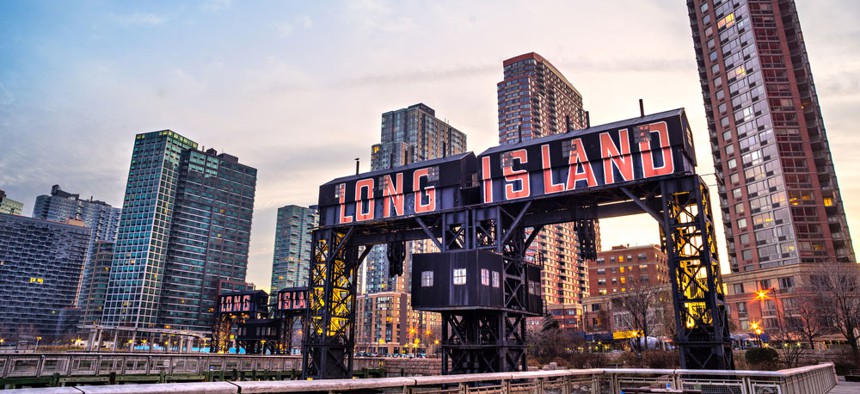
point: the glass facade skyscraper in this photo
(95, 282)
(293, 238)
(185, 226)
(778, 192)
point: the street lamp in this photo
(263, 345)
(37, 343)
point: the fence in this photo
(817, 379)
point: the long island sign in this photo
(581, 160)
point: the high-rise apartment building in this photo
(185, 227)
(409, 135)
(290, 265)
(60, 205)
(95, 281)
(778, 191)
(10, 206)
(536, 100)
(628, 267)
(101, 218)
(40, 267)
(385, 320)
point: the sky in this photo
(296, 89)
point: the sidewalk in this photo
(844, 387)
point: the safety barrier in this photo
(817, 379)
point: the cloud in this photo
(140, 19)
(285, 29)
(6, 97)
(216, 5)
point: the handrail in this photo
(816, 379)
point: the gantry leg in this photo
(687, 235)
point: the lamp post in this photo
(263, 347)
(37, 343)
(758, 335)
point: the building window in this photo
(485, 277)
(496, 279)
(786, 283)
(427, 279)
(739, 288)
(460, 276)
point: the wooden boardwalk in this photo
(844, 387)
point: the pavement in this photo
(846, 388)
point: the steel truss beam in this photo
(329, 336)
(494, 341)
(221, 332)
(688, 239)
(490, 341)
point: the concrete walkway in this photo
(846, 388)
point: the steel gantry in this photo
(486, 210)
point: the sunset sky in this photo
(297, 89)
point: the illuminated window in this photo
(496, 279)
(485, 277)
(728, 21)
(427, 279)
(460, 276)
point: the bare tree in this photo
(636, 308)
(836, 292)
(789, 332)
(548, 342)
(807, 319)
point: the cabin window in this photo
(485, 277)
(460, 276)
(496, 279)
(427, 279)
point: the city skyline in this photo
(70, 80)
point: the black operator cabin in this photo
(468, 279)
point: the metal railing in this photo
(83, 364)
(239, 369)
(817, 379)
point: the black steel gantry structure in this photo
(498, 202)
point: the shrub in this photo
(762, 358)
(661, 359)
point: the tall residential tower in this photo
(536, 100)
(290, 265)
(101, 218)
(385, 320)
(185, 227)
(40, 268)
(778, 192)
